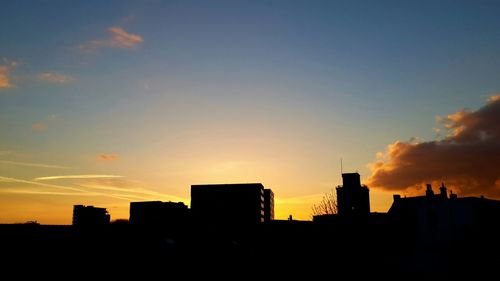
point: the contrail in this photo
(37, 165)
(83, 192)
(63, 187)
(142, 191)
(77, 177)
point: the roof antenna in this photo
(341, 170)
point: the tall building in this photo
(229, 204)
(158, 214)
(90, 216)
(268, 205)
(353, 199)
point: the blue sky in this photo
(290, 84)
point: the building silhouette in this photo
(353, 199)
(442, 217)
(90, 216)
(428, 237)
(158, 214)
(268, 205)
(230, 204)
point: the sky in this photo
(107, 102)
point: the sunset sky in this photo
(107, 102)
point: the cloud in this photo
(123, 39)
(5, 79)
(36, 165)
(120, 39)
(7, 66)
(39, 126)
(9, 179)
(42, 125)
(56, 78)
(40, 192)
(89, 185)
(108, 157)
(77, 191)
(467, 159)
(132, 189)
(76, 177)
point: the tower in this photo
(353, 199)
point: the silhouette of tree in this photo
(327, 206)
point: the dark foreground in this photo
(283, 249)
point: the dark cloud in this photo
(467, 160)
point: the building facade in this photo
(353, 199)
(158, 214)
(268, 205)
(229, 204)
(442, 217)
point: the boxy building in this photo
(90, 216)
(158, 214)
(230, 204)
(353, 199)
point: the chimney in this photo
(442, 191)
(396, 197)
(429, 192)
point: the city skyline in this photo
(108, 103)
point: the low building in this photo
(158, 214)
(440, 217)
(90, 216)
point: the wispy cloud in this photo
(42, 125)
(129, 188)
(4, 78)
(9, 179)
(56, 78)
(76, 177)
(36, 165)
(39, 192)
(77, 191)
(107, 157)
(89, 185)
(5, 69)
(7, 66)
(39, 126)
(119, 39)
(123, 39)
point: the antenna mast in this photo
(341, 169)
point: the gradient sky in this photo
(138, 100)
